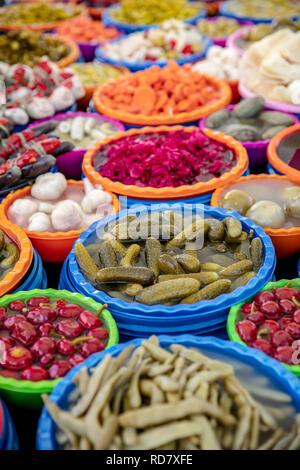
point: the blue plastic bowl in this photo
(142, 319)
(37, 276)
(136, 66)
(10, 438)
(224, 11)
(271, 170)
(246, 362)
(128, 28)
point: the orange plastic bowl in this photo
(286, 241)
(40, 26)
(275, 161)
(73, 48)
(15, 275)
(165, 119)
(183, 191)
(53, 247)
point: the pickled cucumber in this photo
(107, 255)
(256, 252)
(140, 275)
(188, 262)
(132, 252)
(86, 262)
(237, 269)
(233, 226)
(211, 291)
(168, 290)
(168, 265)
(204, 278)
(152, 253)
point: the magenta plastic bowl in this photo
(232, 39)
(273, 105)
(87, 50)
(257, 151)
(222, 41)
(70, 163)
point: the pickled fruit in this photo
(215, 253)
(45, 338)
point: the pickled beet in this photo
(271, 309)
(296, 316)
(24, 332)
(100, 333)
(39, 315)
(43, 346)
(263, 345)
(76, 359)
(59, 369)
(281, 338)
(34, 373)
(264, 297)
(65, 347)
(92, 346)
(36, 301)
(257, 317)
(70, 311)
(10, 322)
(287, 306)
(286, 293)
(17, 305)
(45, 329)
(17, 358)
(293, 329)
(46, 359)
(247, 330)
(89, 320)
(284, 354)
(69, 328)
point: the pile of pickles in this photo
(266, 9)
(28, 47)
(31, 13)
(170, 258)
(95, 74)
(9, 254)
(220, 28)
(259, 31)
(140, 12)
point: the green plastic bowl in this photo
(26, 393)
(234, 312)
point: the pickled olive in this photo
(168, 265)
(237, 200)
(140, 275)
(237, 269)
(2, 239)
(152, 254)
(233, 226)
(118, 247)
(132, 253)
(211, 291)
(86, 262)
(216, 230)
(11, 257)
(204, 278)
(190, 233)
(214, 267)
(256, 252)
(107, 255)
(242, 280)
(168, 290)
(188, 262)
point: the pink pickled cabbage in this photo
(167, 159)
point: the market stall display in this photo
(173, 39)
(271, 201)
(55, 211)
(38, 92)
(137, 15)
(233, 373)
(270, 322)
(45, 333)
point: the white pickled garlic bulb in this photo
(61, 98)
(49, 187)
(39, 222)
(21, 210)
(267, 214)
(94, 199)
(66, 216)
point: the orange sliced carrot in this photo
(144, 98)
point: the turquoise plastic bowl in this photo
(142, 320)
(262, 368)
(128, 28)
(37, 277)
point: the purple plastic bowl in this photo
(257, 151)
(222, 41)
(70, 163)
(88, 49)
(273, 105)
(231, 40)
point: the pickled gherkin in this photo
(200, 259)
